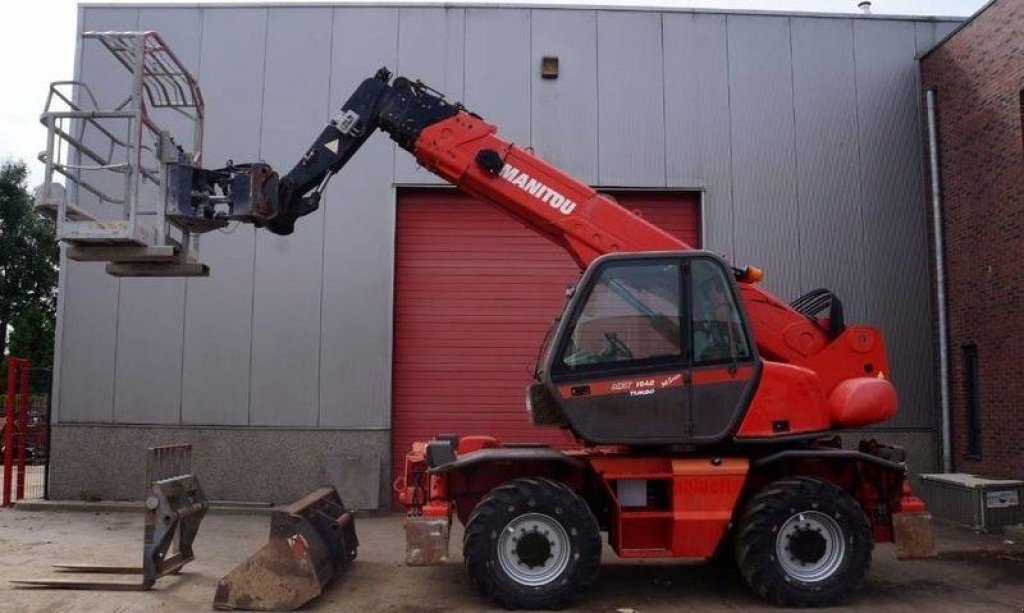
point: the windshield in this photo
(630, 316)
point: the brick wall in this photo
(978, 74)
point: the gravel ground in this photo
(974, 572)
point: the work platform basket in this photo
(112, 150)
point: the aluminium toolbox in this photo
(973, 501)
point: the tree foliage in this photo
(28, 271)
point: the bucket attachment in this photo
(311, 541)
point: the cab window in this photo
(630, 318)
(718, 332)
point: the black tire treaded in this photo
(528, 495)
(764, 516)
(725, 554)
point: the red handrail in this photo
(16, 418)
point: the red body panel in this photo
(861, 402)
(858, 352)
(789, 394)
(690, 522)
(704, 497)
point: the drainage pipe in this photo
(940, 282)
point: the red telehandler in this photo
(706, 409)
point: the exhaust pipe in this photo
(311, 542)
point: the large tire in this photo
(533, 544)
(804, 542)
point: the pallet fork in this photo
(175, 506)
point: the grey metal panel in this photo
(825, 98)
(631, 111)
(62, 278)
(355, 359)
(895, 241)
(431, 48)
(151, 312)
(89, 315)
(697, 121)
(218, 309)
(147, 383)
(88, 337)
(286, 289)
(924, 36)
(944, 28)
(498, 70)
(765, 205)
(564, 110)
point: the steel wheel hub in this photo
(810, 546)
(533, 549)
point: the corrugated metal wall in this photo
(803, 132)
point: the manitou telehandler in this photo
(705, 409)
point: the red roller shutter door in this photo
(474, 294)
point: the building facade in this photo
(977, 75)
(789, 142)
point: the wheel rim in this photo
(810, 546)
(533, 549)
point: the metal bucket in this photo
(311, 542)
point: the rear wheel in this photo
(804, 542)
(532, 543)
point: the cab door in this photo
(639, 358)
(724, 367)
(619, 365)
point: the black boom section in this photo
(300, 190)
(411, 108)
(203, 199)
(402, 109)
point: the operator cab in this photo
(651, 349)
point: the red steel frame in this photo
(16, 407)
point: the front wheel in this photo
(804, 542)
(532, 543)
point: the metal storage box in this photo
(969, 500)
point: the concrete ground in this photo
(975, 572)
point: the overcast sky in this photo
(38, 46)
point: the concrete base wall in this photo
(244, 464)
(279, 466)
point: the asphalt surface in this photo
(974, 572)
